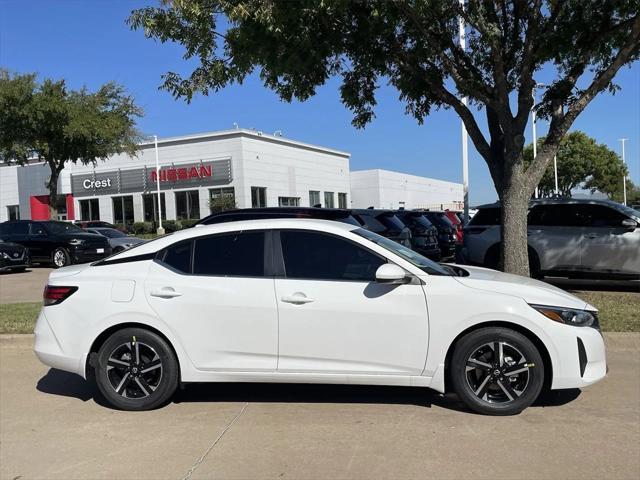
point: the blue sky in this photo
(88, 43)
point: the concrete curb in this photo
(614, 341)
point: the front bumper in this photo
(582, 358)
(90, 254)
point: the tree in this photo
(56, 125)
(412, 44)
(222, 203)
(581, 162)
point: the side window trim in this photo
(282, 274)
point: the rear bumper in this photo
(49, 350)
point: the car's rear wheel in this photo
(136, 370)
(60, 258)
(497, 371)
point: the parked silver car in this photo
(117, 240)
(566, 237)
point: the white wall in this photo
(387, 189)
(8, 190)
(290, 171)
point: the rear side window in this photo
(486, 216)
(178, 256)
(239, 254)
(318, 256)
(569, 215)
(18, 228)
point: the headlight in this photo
(569, 316)
(4, 255)
(76, 241)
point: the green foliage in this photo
(139, 228)
(187, 223)
(57, 125)
(581, 162)
(170, 226)
(222, 203)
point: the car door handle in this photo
(296, 298)
(591, 235)
(165, 292)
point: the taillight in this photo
(53, 295)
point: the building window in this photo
(258, 197)
(89, 209)
(13, 212)
(187, 205)
(342, 200)
(150, 207)
(288, 201)
(221, 199)
(123, 210)
(328, 200)
(314, 198)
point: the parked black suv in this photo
(59, 243)
(424, 235)
(385, 223)
(336, 214)
(446, 232)
(13, 257)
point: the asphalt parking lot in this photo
(51, 426)
(24, 286)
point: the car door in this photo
(609, 246)
(555, 233)
(40, 242)
(213, 293)
(334, 317)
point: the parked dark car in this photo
(456, 220)
(337, 214)
(446, 232)
(13, 257)
(58, 243)
(385, 223)
(424, 235)
(84, 224)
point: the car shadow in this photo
(58, 382)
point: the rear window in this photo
(486, 216)
(391, 222)
(440, 219)
(18, 228)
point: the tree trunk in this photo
(515, 204)
(52, 186)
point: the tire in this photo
(488, 388)
(136, 381)
(60, 258)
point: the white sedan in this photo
(311, 301)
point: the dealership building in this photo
(249, 167)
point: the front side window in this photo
(150, 207)
(416, 259)
(188, 205)
(238, 254)
(288, 201)
(328, 200)
(258, 197)
(123, 210)
(314, 198)
(601, 216)
(89, 209)
(319, 256)
(342, 200)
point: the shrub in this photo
(139, 228)
(188, 223)
(170, 226)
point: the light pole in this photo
(160, 229)
(624, 176)
(533, 128)
(555, 172)
(465, 142)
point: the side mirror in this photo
(391, 274)
(629, 224)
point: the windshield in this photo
(111, 233)
(629, 211)
(62, 228)
(391, 222)
(424, 264)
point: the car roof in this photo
(558, 201)
(159, 243)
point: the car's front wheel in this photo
(136, 370)
(497, 371)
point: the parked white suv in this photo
(566, 237)
(311, 301)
